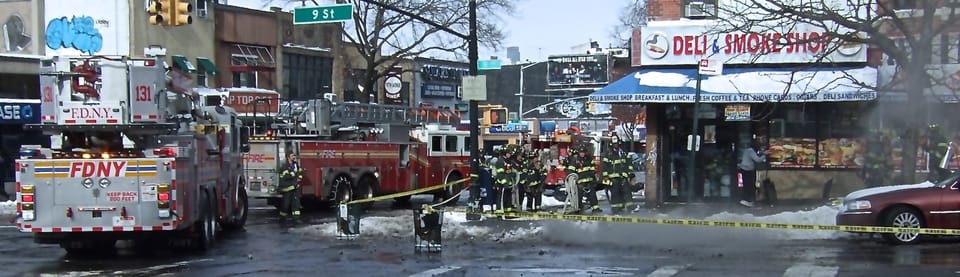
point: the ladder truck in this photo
(129, 159)
(354, 151)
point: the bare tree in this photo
(904, 35)
(632, 15)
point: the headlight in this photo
(104, 183)
(857, 205)
(87, 183)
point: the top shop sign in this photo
(685, 43)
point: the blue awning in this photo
(742, 85)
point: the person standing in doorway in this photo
(748, 172)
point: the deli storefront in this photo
(812, 118)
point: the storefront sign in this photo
(443, 73)
(19, 113)
(737, 112)
(577, 69)
(685, 43)
(438, 90)
(508, 128)
(737, 98)
(392, 85)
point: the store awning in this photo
(742, 85)
(207, 66)
(182, 63)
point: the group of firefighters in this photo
(519, 177)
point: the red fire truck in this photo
(355, 151)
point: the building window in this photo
(307, 77)
(202, 79)
(245, 79)
(201, 8)
(903, 4)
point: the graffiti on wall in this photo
(77, 32)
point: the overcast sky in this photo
(540, 27)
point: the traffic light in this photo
(498, 116)
(181, 13)
(159, 12)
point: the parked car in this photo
(923, 205)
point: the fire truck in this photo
(356, 151)
(129, 159)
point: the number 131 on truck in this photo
(129, 159)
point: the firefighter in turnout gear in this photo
(532, 177)
(583, 165)
(290, 175)
(877, 164)
(506, 179)
(617, 172)
(937, 145)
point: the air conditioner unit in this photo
(700, 9)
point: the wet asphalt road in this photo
(558, 249)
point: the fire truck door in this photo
(410, 164)
(145, 95)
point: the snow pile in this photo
(8, 208)
(825, 215)
(400, 225)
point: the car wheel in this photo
(903, 217)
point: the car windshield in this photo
(949, 180)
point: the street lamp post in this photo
(520, 109)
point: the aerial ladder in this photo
(324, 118)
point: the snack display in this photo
(841, 153)
(922, 158)
(792, 153)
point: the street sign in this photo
(488, 64)
(711, 67)
(323, 14)
(475, 88)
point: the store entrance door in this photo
(716, 166)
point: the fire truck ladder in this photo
(350, 114)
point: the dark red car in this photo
(924, 205)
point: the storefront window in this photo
(822, 135)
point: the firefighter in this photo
(290, 175)
(533, 178)
(937, 145)
(877, 164)
(583, 165)
(506, 180)
(617, 171)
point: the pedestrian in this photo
(290, 176)
(585, 168)
(617, 171)
(748, 172)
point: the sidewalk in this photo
(704, 209)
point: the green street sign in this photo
(323, 14)
(488, 64)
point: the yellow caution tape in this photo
(716, 223)
(406, 193)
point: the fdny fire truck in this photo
(129, 159)
(354, 151)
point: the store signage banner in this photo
(19, 113)
(686, 42)
(577, 70)
(737, 112)
(736, 98)
(438, 90)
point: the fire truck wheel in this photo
(450, 191)
(366, 188)
(240, 217)
(344, 187)
(207, 224)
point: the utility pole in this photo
(473, 55)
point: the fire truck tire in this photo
(207, 224)
(450, 191)
(240, 218)
(344, 187)
(367, 187)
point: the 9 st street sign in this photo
(323, 14)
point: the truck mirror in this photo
(245, 139)
(947, 157)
